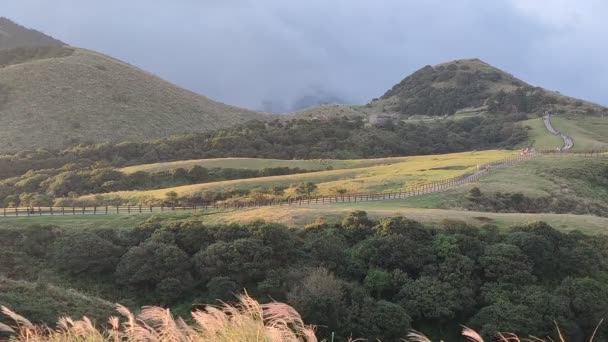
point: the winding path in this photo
(568, 142)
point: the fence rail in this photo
(407, 192)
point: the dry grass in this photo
(88, 96)
(410, 171)
(246, 321)
(259, 164)
(472, 336)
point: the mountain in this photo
(54, 96)
(13, 35)
(467, 85)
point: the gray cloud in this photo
(246, 52)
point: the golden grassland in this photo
(259, 164)
(302, 216)
(87, 96)
(408, 171)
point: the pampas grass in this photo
(472, 336)
(246, 321)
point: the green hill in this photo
(463, 87)
(58, 97)
(54, 96)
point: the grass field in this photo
(259, 164)
(407, 172)
(546, 176)
(539, 136)
(301, 216)
(588, 133)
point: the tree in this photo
(85, 252)
(377, 281)
(147, 265)
(318, 298)
(506, 263)
(428, 298)
(171, 198)
(197, 174)
(357, 225)
(222, 288)
(244, 260)
(306, 189)
(382, 321)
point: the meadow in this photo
(588, 133)
(539, 137)
(408, 171)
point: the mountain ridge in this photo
(54, 96)
(13, 35)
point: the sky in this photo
(282, 55)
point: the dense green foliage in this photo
(295, 139)
(505, 202)
(444, 89)
(357, 278)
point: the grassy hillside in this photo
(259, 164)
(83, 96)
(572, 184)
(13, 35)
(45, 302)
(300, 216)
(408, 171)
(539, 136)
(588, 133)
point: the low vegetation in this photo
(358, 277)
(551, 184)
(397, 174)
(294, 139)
(246, 321)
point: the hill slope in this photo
(54, 97)
(467, 86)
(13, 35)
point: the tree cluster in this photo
(364, 278)
(339, 138)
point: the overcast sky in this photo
(245, 52)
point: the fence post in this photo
(106, 210)
(94, 210)
(51, 210)
(62, 211)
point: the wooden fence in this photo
(313, 200)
